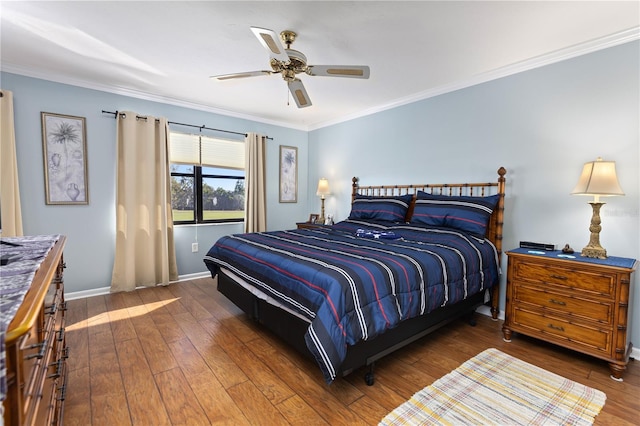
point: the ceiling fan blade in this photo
(351, 71)
(271, 42)
(240, 75)
(299, 93)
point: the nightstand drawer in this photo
(574, 306)
(308, 225)
(578, 335)
(592, 282)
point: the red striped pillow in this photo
(468, 214)
(391, 209)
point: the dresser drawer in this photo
(588, 309)
(578, 334)
(39, 356)
(592, 282)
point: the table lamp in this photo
(323, 189)
(599, 179)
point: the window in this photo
(207, 179)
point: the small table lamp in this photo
(598, 179)
(323, 189)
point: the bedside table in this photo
(580, 303)
(308, 225)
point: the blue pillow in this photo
(391, 209)
(468, 214)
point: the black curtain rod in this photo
(139, 117)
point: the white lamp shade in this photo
(598, 178)
(323, 187)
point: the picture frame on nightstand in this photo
(313, 218)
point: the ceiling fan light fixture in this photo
(289, 63)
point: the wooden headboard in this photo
(474, 189)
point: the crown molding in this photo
(118, 90)
(595, 45)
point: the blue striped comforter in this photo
(351, 288)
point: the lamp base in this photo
(597, 252)
(594, 249)
(321, 218)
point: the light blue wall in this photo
(542, 125)
(90, 229)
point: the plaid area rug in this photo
(494, 388)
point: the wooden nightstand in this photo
(308, 225)
(581, 303)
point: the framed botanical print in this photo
(64, 142)
(288, 174)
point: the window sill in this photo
(181, 225)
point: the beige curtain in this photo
(10, 212)
(255, 205)
(145, 252)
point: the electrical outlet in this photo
(194, 247)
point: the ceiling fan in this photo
(289, 63)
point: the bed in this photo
(408, 260)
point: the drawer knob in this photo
(555, 327)
(558, 277)
(558, 302)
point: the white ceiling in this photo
(166, 51)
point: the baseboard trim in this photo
(106, 290)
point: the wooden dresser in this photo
(580, 303)
(36, 349)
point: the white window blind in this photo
(184, 149)
(206, 151)
(222, 153)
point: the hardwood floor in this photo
(184, 354)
